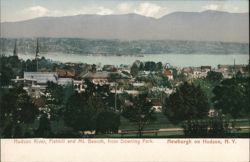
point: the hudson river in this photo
(180, 60)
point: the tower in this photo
(15, 50)
(37, 54)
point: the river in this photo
(179, 60)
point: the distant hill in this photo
(197, 26)
(121, 47)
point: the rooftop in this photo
(41, 77)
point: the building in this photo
(65, 81)
(228, 71)
(223, 68)
(205, 69)
(110, 68)
(65, 73)
(168, 73)
(103, 77)
(187, 71)
(97, 77)
(41, 77)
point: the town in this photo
(44, 98)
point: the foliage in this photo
(107, 122)
(8, 69)
(44, 130)
(150, 66)
(140, 112)
(214, 77)
(134, 70)
(215, 127)
(158, 80)
(16, 108)
(232, 97)
(207, 87)
(54, 93)
(83, 110)
(77, 114)
(181, 77)
(54, 101)
(188, 102)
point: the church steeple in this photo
(15, 50)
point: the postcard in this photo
(132, 80)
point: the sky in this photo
(17, 10)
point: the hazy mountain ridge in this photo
(198, 26)
(114, 47)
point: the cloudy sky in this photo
(16, 10)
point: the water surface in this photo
(180, 60)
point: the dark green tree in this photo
(82, 109)
(77, 114)
(141, 67)
(158, 66)
(6, 74)
(54, 100)
(214, 77)
(150, 66)
(188, 102)
(214, 127)
(54, 93)
(16, 108)
(134, 70)
(44, 129)
(107, 122)
(232, 97)
(140, 112)
(165, 82)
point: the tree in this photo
(82, 109)
(6, 74)
(214, 127)
(77, 114)
(141, 67)
(54, 100)
(150, 66)
(134, 70)
(181, 77)
(140, 112)
(16, 108)
(165, 82)
(54, 93)
(214, 77)
(188, 102)
(44, 130)
(107, 122)
(207, 87)
(158, 66)
(232, 97)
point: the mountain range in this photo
(195, 26)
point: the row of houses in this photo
(36, 82)
(228, 71)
